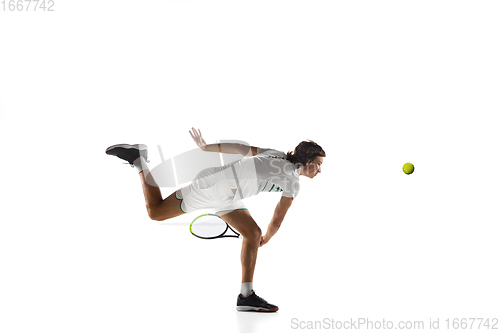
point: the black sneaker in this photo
(128, 153)
(254, 303)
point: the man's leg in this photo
(242, 221)
(159, 209)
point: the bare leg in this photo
(242, 221)
(158, 208)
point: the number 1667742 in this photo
(27, 5)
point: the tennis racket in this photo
(210, 226)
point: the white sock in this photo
(246, 289)
(140, 164)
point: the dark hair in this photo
(305, 152)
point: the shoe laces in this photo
(259, 297)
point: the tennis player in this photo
(224, 188)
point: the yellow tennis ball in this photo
(408, 168)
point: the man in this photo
(224, 188)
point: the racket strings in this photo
(208, 227)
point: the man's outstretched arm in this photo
(278, 217)
(226, 148)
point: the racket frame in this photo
(222, 235)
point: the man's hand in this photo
(198, 139)
(263, 240)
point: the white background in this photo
(376, 83)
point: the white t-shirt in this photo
(268, 171)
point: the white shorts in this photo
(209, 192)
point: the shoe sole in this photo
(254, 308)
(138, 146)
